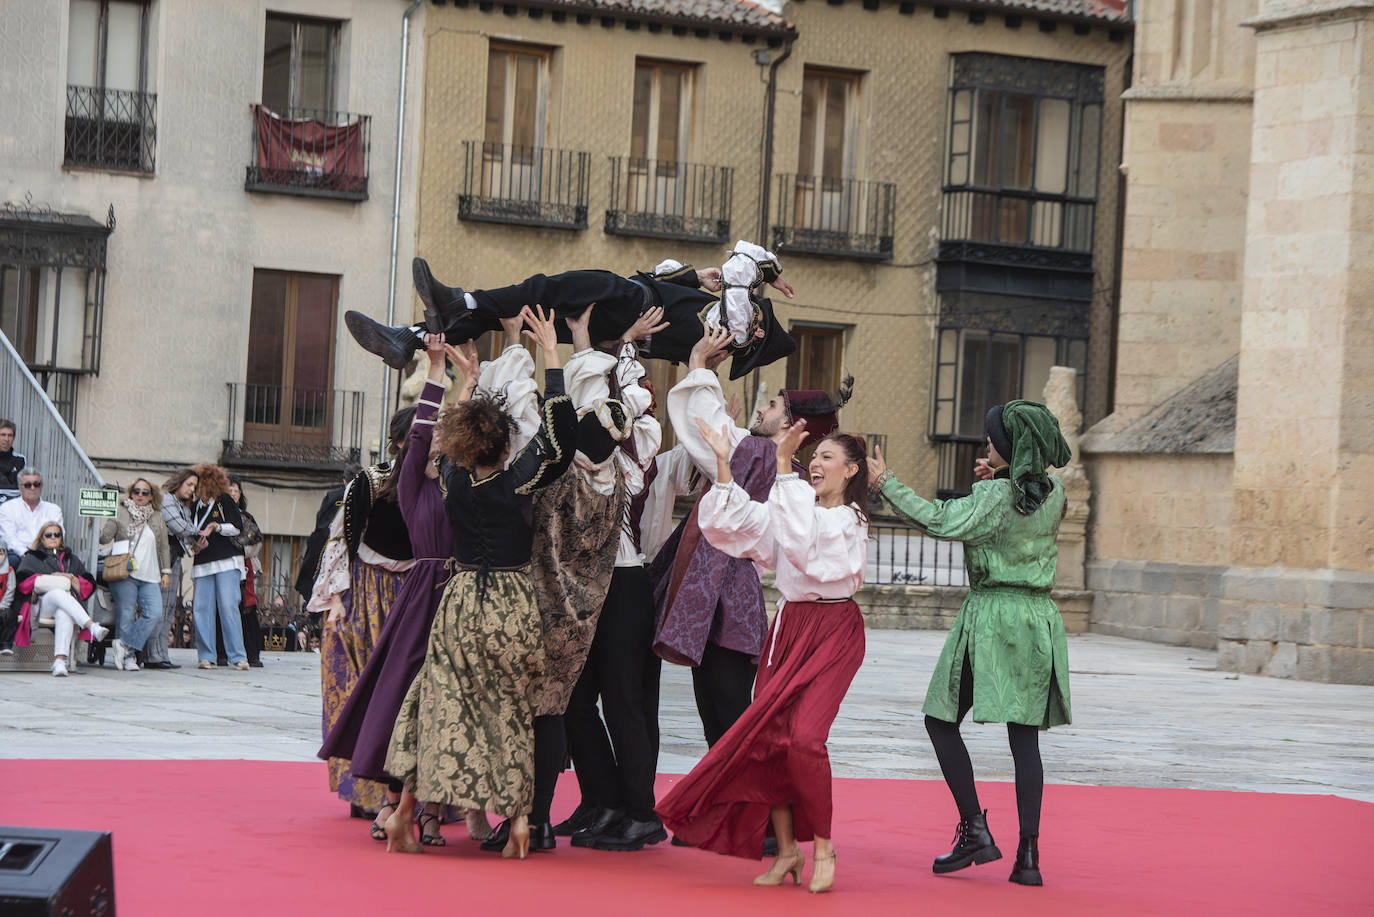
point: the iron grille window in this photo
(670, 200)
(111, 115)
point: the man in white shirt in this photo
(21, 520)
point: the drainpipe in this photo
(766, 175)
(396, 212)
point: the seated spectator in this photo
(137, 529)
(54, 584)
(22, 519)
(11, 463)
(8, 613)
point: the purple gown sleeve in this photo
(412, 482)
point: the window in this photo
(288, 396)
(110, 119)
(1024, 142)
(815, 364)
(517, 101)
(299, 60)
(42, 312)
(825, 157)
(660, 130)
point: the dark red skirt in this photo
(775, 753)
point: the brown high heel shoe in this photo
(791, 864)
(518, 847)
(822, 873)
(400, 835)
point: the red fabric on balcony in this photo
(309, 152)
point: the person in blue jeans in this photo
(218, 569)
(137, 530)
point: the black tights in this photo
(958, 769)
(550, 751)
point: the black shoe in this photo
(542, 837)
(972, 844)
(441, 301)
(394, 345)
(1026, 870)
(255, 663)
(222, 663)
(605, 820)
(166, 664)
(582, 817)
(631, 834)
(770, 847)
(497, 842)
(138, 658)
(679, 842)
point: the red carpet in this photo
(241, 837)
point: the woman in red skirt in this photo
(772, 764)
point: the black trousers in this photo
(724, 685)
(252, 636)
(618, 303)
(616, 761)
(952, 754)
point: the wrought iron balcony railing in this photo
(310, 152)
(954, 471)
(670, 200)
(110, 129)
(1023, 227)
(846, 218)
(531, 186)
(268, 425)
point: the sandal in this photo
(378, 828)
(431, 840)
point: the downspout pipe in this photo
(396, 212)
(766, 175)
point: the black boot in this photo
(442, 303)
(972, 844)
(542, 837)
(1026, 870)
(394, 345)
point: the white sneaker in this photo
(98, 632)
(59, 668)
(130, 664)
(121, 652)
(6, 651)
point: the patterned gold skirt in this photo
(465, 733)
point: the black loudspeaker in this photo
(46, 872)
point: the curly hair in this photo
(475, 433)
(212, 482)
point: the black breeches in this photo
(550, 751)
(724, 685)
(952, 754)
(618, 302)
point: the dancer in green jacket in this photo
(1006, 656)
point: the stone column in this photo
(1074, 602)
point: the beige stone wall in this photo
(1167, 508)
(888, 310)
(1305, 413)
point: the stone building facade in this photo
(193, 194)
(937, 179)
(1231, 500)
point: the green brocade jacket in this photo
(1009, 627)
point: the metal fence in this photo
(670, 200)
(44, 438)
(530, 185)
(111, 128)
(844, 217)
(310, 152)
(1013, 217)
(273, 425)
(901, 555)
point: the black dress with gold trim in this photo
(465, 734)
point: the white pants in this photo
(68, 615)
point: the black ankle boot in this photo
(394, 345)
(1026, 870)
(442, 302)
(972, 844)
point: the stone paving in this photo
(1145, 715)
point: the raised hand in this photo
(718, 440)
(465, 360)
(710, 279)
(582, 339)
(983, 470)
(510, 327)
(876, 463)
(712, 347)
(435, 349)
(733, 405)
(783, 287)
(543, 333)
(650, 322)
(791, 441)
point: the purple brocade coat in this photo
(718, 597)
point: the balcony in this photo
(272, 426)
(688, 202)
(112, 129)
(524, 185)
(310, 153)
(954, 471)
(1017, 242)
(842, 218)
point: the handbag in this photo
(118, 565)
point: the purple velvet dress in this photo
(363, 730)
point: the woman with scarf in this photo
(218, 568)
(54, 584)
(772, 766)
(178, 492)
(1006, 658)
(465, 734)
(138, 530)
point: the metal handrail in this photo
(531, 185)
(670, 199)
(835, 216)
(47, 442)
(1016, 216)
